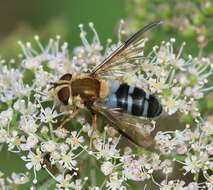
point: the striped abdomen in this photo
(133, 100)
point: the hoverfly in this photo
(120, 104)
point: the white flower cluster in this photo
(12, 182)
(193, 142)
(179, 82)
(30, 119)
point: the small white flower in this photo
(63, 182)
(78, 184)
(167, 167)
(20, 105)
(192, 186)
(171, 105)
(18, 178)
(157, 86)
(28, 124)
(3, 135)
(63, 147)
(164, 142)
(207, 128)
(61, 132)
(115, 183)
(192, 135)
(11, 84)
(49, 146)
(41, 79)
(107, 167)
(182, 148)
(48, 115)
(133, 170)
(87, 128)
(75, 140)
(192, 164)
(107, 150)
(14, 141)
(55, 157)
(68, 160)
(6, 117)
(31, 142)
(34, 160)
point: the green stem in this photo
(172, 157)
(51, 131)
(45, 184)
(93, 173)
(200, 53)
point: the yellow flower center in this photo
(194, 163)
(170, 103)
(17, 142)
(37, 160)
(74, 140)
(158, 85)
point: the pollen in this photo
(170, 103)
(74, 140)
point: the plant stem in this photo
(45, 184)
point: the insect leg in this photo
(94, 120)
(70, 117)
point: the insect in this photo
(120, 104)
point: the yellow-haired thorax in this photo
(79, 76)
(104, 88)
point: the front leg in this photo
(77, 105)
(71, 115)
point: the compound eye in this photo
(66, 76)
(64, 95)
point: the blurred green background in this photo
(20, 20)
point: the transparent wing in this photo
(126, 57)
(129, 126)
